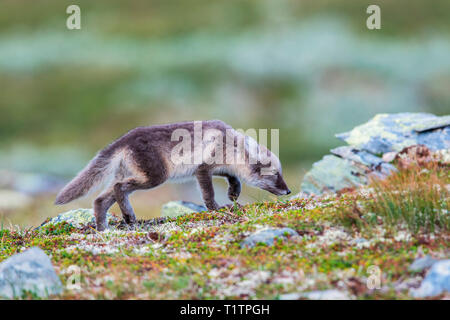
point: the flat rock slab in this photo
(78, 218)
(179, 208)
(267, 236)
(30, 271)
(436, 282)
(332, 174)
(360, 156)
(394, 132)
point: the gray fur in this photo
(141, 159)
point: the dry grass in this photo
(417, 196)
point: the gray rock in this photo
(360, 156)
(421, 264)
(394, 132)
(332, 174)
(361, 242)
(432, 123)
(374, 164)
(437, 281)
(29, 271)
(332, 294)
(290, 296)
(435, 140)
(267, 236)
(178, 208)
(407, 284)
(352, 166)
(78, 218)
(326, 295)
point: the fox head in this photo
(267, 175)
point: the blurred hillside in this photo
(309, 68)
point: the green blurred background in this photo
(309, 68)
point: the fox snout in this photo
(280, 192)
(282, 186)
(277, 186)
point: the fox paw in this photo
(233, 196)
(231, 206)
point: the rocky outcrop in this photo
(371, 148)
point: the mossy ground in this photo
(198, 256)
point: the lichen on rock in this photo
(267, 236)
(371, 148)
(78, 218)
(178, 208)
(394, 132)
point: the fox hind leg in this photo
(121, 192)
(142, 168)
(101, 206)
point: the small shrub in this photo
(57, 229)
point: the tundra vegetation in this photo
(199, 256)
(253, 64)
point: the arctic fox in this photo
(146, 157)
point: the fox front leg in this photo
(204, 179)
(234, 186)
